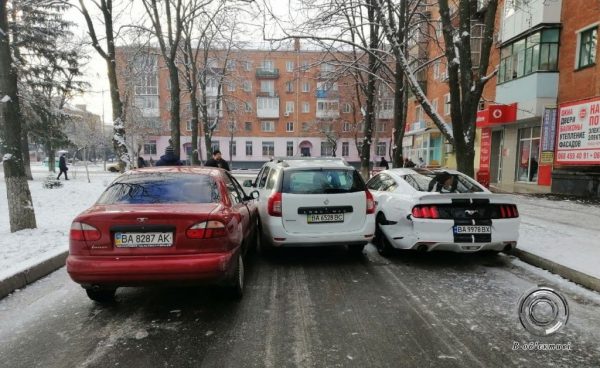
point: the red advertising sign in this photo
(497, 114)
(578, 133)
(485, 149)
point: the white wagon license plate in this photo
(472, 229)
(334, 217)
(143, 240)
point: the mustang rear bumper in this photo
(140, 270)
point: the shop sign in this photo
(497, 114)
(578, 141)
(485, 149)
(549, 129)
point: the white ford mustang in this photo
(431, 210)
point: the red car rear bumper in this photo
(136, 270)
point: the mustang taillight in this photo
(206, 229)
(370, 203)
(425, 211)
(82, 231)
(508, 211)
(275, 204)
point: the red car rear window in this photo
(161, 188)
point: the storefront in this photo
(423, 142)
(510, 149)
(577, 156)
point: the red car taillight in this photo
(508, 211)
(370, 203)
(275, 204)
(82, 232)
(424, 211)
(206, 229)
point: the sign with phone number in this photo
(578, 133)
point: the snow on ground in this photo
(565, 232)
(54, 211)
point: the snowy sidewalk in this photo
(54, 211)
(564, 232)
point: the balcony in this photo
(265, 73)
(529, 15)
(532, 92)
(385, 114)
(326, 74)
(266, 94)
(267, 107)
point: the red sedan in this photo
(168, 224)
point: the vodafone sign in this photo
(497, 114)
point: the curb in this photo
(31, 274)
(570, 274)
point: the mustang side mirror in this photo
(247, 183)
(254, 194)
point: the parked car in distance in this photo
(180, 225)
(113, 167)
(313, 202)
(441, 210)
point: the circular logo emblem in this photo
(543, 311)
(497, 113)
(582, 113)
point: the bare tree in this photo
(20, 206)
(109, 55)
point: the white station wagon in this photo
(313, 202)
(441, 210)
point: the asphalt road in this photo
(305, 308)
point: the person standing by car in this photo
(169, 158)
(384, 163)
(217, 161)
(62, 166)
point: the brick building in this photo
(275, 103)
(577, 158)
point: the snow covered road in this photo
(305, 308)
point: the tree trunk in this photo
(51, 159)
(465, 162)
(175, 101)
(25, 149)
(20, 205)
(195, 156)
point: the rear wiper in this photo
(335, 190)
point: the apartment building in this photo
(289, 102)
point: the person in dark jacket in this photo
(62, 166)
(169, 158)
(217, 161)
(384, 163)
(141, 162)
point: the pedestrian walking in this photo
(62, 166)
(384, 163)
(169, 158)
(141, 162)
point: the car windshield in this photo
(322, 181)
(442, 182)
(161, 188)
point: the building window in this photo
(537, 52)
(289, 149)
(230, 86)
(347, 126)
(216, 125)
(188, 126)
(305, 127)
(289, 66)
(289, 126)
(345, 149)
(247, 86)
(529, 151)
(232, 148)
(434, 105)
(267, 126)
(248, 126)
(268, 148)
(305, 65)
(268, 65)
(247, 66)
(326, 149)
(447, 104)
(305, 86)
(247, 107)
(231, 64)
(419, 113)
(436, 69)
(215, 146)
(267, 86)
(146, 80)
(150, 148)
(381, 127)
(588, 43)
(381, 149)
(360, 127)
(306, 107)
(248, 148)
(347, 108)
(289, 87)
(289, 107)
